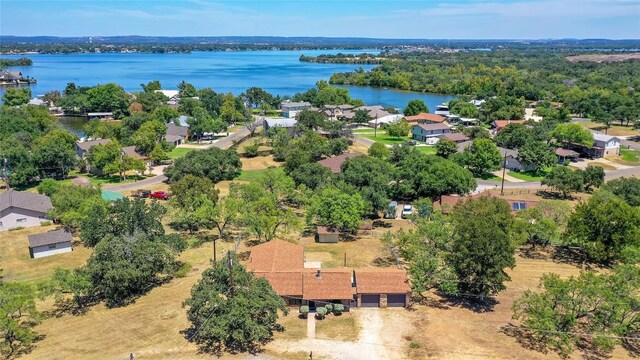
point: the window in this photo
(21, 220)
(519, 206)
(52, 246)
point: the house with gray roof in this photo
(50, 243)
(82, 147)
(23, 209)
(176, 134)
(291, 108)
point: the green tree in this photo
(213, 163)
(186, 90)
(18, 316)
(48, 187)
(361, 117)
(477, 132)
(157, 154)
(627, 188)
(605, 226)
(399, 129)
(226, 212)
(109, 97)
(16, 96)
(379, 150)
(465, 110)
(593, 177)
(572, 133)
(537, 154)
(309, 120)
(185, 191)
(371, 177)
(336, 209)
(415, 107)
(445, 148)
(514, 136)
(312, 175)
(148, 135)
(20, 169)
(102, 155)
(564, 180)
(482, 245)
(233, 315)
(535, 227)
(483, 156)
(228, 112)
(71, 204)
(69, 282)
(53, 154)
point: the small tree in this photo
(18, 316)
(483, 156)
(304, 311)
(321, 313)
(593, 177)
(329, 308)
(415, 107)
(446, 148)
(379, 150)
(564, 180)
(338, 309)
(399, 129)
(251, 150)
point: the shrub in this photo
(320, 313)
(16, 228)
(251, 150)
(304, 310)
(338, 309)
(329, 308)
(183, 269)
(45, 223)
(414, 345)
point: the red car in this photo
(161, 195)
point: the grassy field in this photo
(429, 150)
(490, 177)
(366, 251)
(17, 265)
(526, 175)
(251, 175)
(179, 152)
(629, 157)
(343, 327)
(382, 137)
(614, 130)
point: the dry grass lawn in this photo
(17, 265)
(259, 163)
(614, 130)
(344, 327)
(365, 251)
(295, 328)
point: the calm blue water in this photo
(278, 72)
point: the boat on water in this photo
(442, 109)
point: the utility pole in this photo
(5, 173)
(504, 170)
(214, 250)
(375, 128)
(230, 266)
(122, 166)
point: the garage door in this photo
(370, 300)
(396, 300)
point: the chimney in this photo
(318, 275)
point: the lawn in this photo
(365, 251)
(344, 327)
(17, 265)
(382, 137)
(295, 328)
(629, 157)
(251, 175)
(529, 175)
(429, 150)
(489, 177)
(179, 152)
(614, 130)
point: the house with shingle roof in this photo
(425, 118)
(23, 209)
(176, 134)
(335, 163)
(282, 264)
(422, 132)
(50, 243)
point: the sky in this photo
(417, 19)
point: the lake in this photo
(279, 72)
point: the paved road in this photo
(138, 184)
(364, 141)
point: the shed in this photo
(50, 243)
(327, 235)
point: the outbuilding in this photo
(327, 235)
(50, 243)
(381, 287)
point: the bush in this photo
(329, 308)
(45, 223)
(414, 345)
(304, 311)
(48, 187)
(251, 150)
(320, 313)
(338, 309)
(183, 270)
(16, 228)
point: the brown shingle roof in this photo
(447, 202)
(425, 117)
(131, 152)
(455, 137)
(324, 230)
(432, 127)
(334, 163)
(284, 283)
(48, 238)
(86, 145)
(500, 124)
(176, 130)
(25, 200)
(332, 284)
(381, 281)
(566, 153)
(276, 255)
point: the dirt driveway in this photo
(380, 338)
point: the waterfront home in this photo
(337, 112)
(454, 120)
(421, 132)
(284, 123)
(14, 78)
(425, 118)
(23, 209)
(100, 116)
(132, 152)
(290, 109)
(82, 147)
(50, 243)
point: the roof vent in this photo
(318, 274)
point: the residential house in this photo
(422, 132)
(565, 155)
(173, 96)
(285, 123)
(335, 163)
(82, 147)
(605, 145)
(100, 116)
(282, 264)
(23, 209)
(454, 120)
(290, 109)
(37, 102)
(446, 203)
(380, 119)
(50, 243)
(381, 288)
(337, 112)
(11, 77)
(512, 162)
(425, 118)
(477, 103)
(501, 124)
(455, 137)
(442, 109)
(131, 151)
(327, 235)
(176, 134)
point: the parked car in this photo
(411, 143)
(141, 193)
(161, 195)
(406, 211)
(391, 211)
